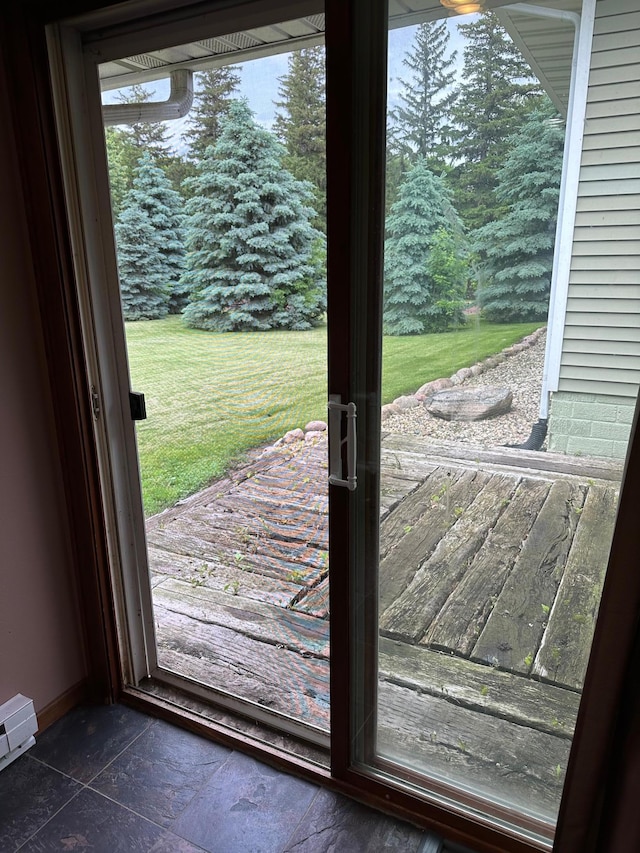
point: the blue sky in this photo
(260, 79)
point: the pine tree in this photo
(214, 90)
(516, 251)
(421, 127)
(301, 123)
(152, 191)
(417, 286)
(141, 266)
(145, 135)
(252, 253)
(498, 93)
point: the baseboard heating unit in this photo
(18, 725)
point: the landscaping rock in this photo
(313, 434)
(293, 435)
(315, 426)
(430, 388)
(388, 410)
(403, 403)
(474, 403)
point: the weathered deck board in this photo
(315, 601)
(218, 657)
(393, 490)
(259, 621)
(216, 575)
(512, 634)
(480, 688)
(515, 764)
(284, 568)
(241, 599)
(552, 463)
(566, 643)
(408, 617)
(463, 616)
(413, 531)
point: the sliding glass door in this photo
(509, 375)
(445, 434)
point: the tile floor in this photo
(113, 780)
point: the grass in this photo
(210, 397)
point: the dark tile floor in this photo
(112, 780)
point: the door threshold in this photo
(183, 707)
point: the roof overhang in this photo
(545, 41)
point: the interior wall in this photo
(41, 647)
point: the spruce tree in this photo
(141, 266)
(145, 135)
(498, 93)
(121, 156)
(251, 249)
(152, 191)
(421, 126)
(516, 251)
(421, 293)
(301, 123)
(214, 90)
(138, 137)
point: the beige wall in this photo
(41, 652)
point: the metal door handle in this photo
(336, 442)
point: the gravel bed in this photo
(521, 373)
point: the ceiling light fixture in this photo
(462, 7)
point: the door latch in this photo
(138, 406)
(337, 442)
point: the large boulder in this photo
(470, 404)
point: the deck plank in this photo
(413, 531)
(257, 620)
(512, 634)
(478, 687)
(217, 657)
(514, 459)
(514, 764)
(408, 616)
(566, 643)
(459, 623)
(216, 575)
(285, 567)
(315, 601)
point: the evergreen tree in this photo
(516, 251)
(145, 135)
(252, 253)
(211, 103)
(141, 266)
(301, 123)
(418, 286)
(498, 92)
(152, 191)
(421, 126)
(121, 155)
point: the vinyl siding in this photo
(601, 346)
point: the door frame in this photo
(580, 799)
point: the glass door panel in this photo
(220, 234)
(509, 380)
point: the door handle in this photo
(336, 443)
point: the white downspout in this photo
(176, 106)
(568, 198)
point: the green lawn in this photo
(211, 396)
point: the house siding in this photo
(600, 363)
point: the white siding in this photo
(601, 346)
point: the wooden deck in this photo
(492, 564)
